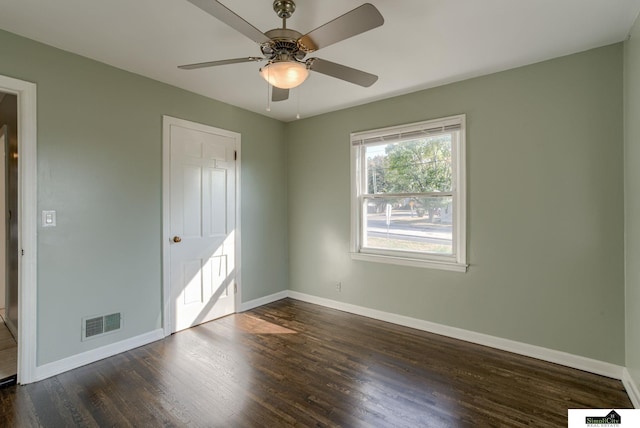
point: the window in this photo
(408, 194)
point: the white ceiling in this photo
(422, 44)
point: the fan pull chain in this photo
(298, 100)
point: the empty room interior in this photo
(318, 213)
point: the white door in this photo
(202, 223)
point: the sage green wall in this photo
(100, 168)
(632, 199)
(545, 198)
(545, 201)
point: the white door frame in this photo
(167, 121)
(27, 225)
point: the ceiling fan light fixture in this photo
(285, 74)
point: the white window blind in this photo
(398, 134)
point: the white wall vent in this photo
(100, 325)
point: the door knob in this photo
(177, 239)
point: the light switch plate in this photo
(48, 218)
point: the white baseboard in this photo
(88, 357)
(558, 357)
(551, 355)
(246, 306)
(632, 388)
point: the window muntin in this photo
(408, 198)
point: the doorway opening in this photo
(8, 239)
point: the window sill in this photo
(402, 261)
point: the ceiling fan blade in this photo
(279, 94)
(359, 20)
(343, 72)
(221, 62)
(226, 15)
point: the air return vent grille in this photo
(100, 325)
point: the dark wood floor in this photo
(295, 364)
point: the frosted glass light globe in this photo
(285, 74)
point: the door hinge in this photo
(22, 251)
(235, 288)
(235, 155)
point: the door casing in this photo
(27, 225)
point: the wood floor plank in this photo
(4, 331)
(8, 362)
(8, 352)
(7, 343)
(6, 338)
(291, 363)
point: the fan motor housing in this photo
(283, 42)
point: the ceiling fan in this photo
(285, 49)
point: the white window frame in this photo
(359, 140)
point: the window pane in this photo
(415, 166)
(409, 224)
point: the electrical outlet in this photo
(339, 287)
